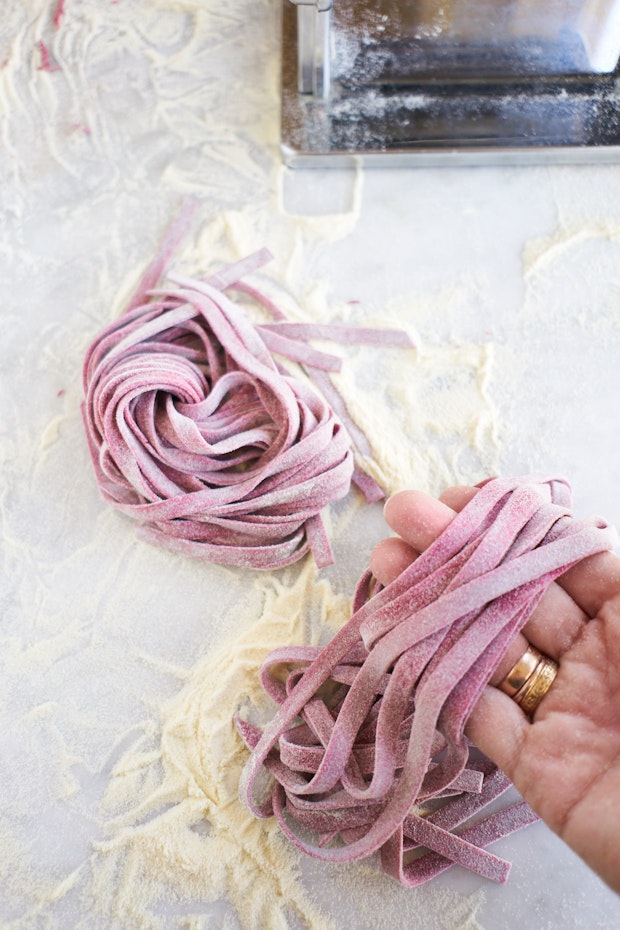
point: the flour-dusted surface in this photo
(122, 663)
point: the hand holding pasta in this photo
(565, 760)
(369, 748)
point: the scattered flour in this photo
(122, 664)
(176, 827)
(543, 252)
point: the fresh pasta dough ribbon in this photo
(368, 744)
(198, 432)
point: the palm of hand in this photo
(566, 761)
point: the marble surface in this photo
(145, 102)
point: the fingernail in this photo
(385, 506)
(390, 499)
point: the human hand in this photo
(565, 761)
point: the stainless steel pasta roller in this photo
(419, 82)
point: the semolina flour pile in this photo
(177, 830)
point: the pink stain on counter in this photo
(60, 8)
(46, 62)
(370, 729)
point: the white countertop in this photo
(512, 273)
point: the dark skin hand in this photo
(566, 760)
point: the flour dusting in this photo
(122, 664)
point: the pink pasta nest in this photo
(367, 750)
(198, 431)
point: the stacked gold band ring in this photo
(529, 679)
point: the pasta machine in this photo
(405, 82)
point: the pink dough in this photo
(198, 432)
(372, 726)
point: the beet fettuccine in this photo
(198, 431)
(367, 750)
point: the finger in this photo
(417, 518)
(557, 621)
(498, 727)
(593, 582)
(590, 584)
(458, 496)
(390, 558)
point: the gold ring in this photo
(529, 679)
(521, 671)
